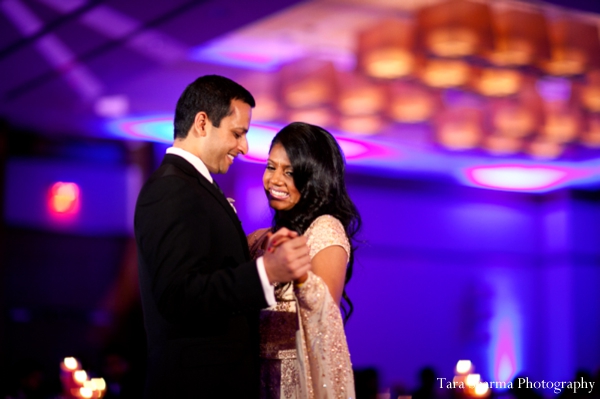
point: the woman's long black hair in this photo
(318, 172)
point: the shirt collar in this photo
(194, 160)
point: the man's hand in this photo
(287, 257)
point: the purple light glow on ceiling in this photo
(392, 158)
(520, 177)
(261, 135)
(239, 52)
(160, 129)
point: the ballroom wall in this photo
(446, 272)
(443, 272)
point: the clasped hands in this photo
(286, 257)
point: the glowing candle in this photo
(463, 366)
(69, 364)
(85, 392)
(80, 376)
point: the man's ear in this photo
(200, 123)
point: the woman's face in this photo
(278, 180)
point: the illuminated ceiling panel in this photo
(327, 30)
(109, 68)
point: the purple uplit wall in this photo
(106, 198)
(446, 272)
(68, 278)
(443, 272)
(433, 267)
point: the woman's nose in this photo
(277, 177)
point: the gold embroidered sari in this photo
(304, 353)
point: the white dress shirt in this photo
(197, 163)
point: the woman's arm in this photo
(330, 264)
(257, 241)
(255, 235)
(329, 248)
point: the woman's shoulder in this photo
(326, 222)
(325, 231)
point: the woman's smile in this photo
(277, 194)
(278, 180)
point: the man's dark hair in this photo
(212, 94)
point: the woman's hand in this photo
(279, 237)
(274, 240)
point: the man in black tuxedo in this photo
(201, 292)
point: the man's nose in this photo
(243, 145)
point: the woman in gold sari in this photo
(304, 353)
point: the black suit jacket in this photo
(200, 291)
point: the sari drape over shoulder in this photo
(303, 348)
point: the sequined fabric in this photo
(324, 232)
(304, 354)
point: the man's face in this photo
(227, 141)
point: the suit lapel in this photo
(189, 169)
